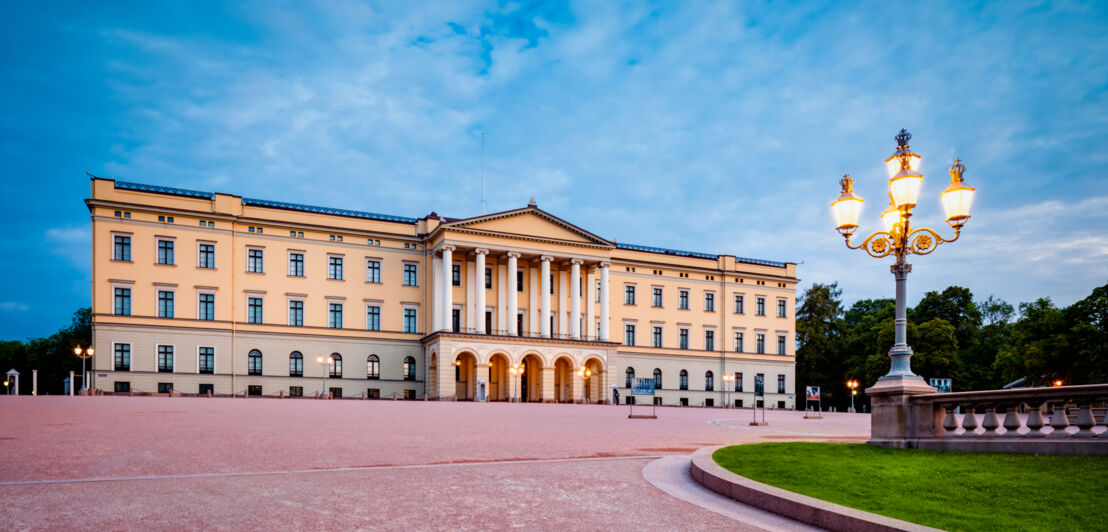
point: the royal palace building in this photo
(198, 292)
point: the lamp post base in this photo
(892, 415)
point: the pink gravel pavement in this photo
(142, 462)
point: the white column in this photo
(544, 287)
(471, 294)
(436, 295)
(501, 298)
(513, 293)
(447, 291)
(604, 301)
(590, 305)
(480, 289)
(575, 299)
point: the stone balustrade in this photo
(1056, 420)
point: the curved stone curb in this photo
(803, 508)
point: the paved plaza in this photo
(156, 462)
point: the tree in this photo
(819, 328)
(53, 356)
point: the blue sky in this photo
(719, 127)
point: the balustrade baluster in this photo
(1012, 421)
(990, 423)
(1085, 421)
(969, 420)
(1035, 420)
(949, 423)
(1059, 421)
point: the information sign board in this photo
(759, 386)
(812, 392)
(642, 387)
(943, 385)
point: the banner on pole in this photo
(759, 386)
(642, 387)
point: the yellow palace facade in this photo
(196, 292)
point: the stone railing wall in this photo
(1056, 420)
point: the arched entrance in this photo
(563, 380)
(594, 383)
(465, 376)
(530, 383)
(500, 386)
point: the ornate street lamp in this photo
(515, 370)
(899, 238)
(853, 385)
(84, 354)
(585, 373)
(326, 362)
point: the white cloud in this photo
(13, 307)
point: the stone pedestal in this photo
(894, 421)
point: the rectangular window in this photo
(738, 381)
(551, 286)
(206, 256)
(296, 264)
(207, 360)
(629, 294)
(455, 320)
(683, 300)
(206, 307)
(334, 315)
(780, 308)
(254, 389)
(334, 268)
(780, 384)
(296, 391)
(683, 383)
(123, 357)
(254, 262)
(760, 306)
(410, 271)
(165, 387)
(122, 387)
(373, 318)
(122, 248)
(373, 393)
(488, 278)
(760, 343)
(656, 339)
(684, 339)
(254, 310)
(165, 303)
(409, 320)
(296, 313)
(738, 342)
(656, 298)
(455, 275)
(519, 281)
(165, 252)
(709, 340)
(738, 304)
(123, 301)
(165, 359)
(781, 345)
(709, 302)
(629, 334)
(372, 271)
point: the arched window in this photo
(684, 380)
(336, 366)
(657, 379)
(254, 362)
(296, 364)
(630, 377)
(373, 367)
(709, 381)
(409, 369)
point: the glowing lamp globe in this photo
(848, 208)
(890, 217)
(957, 198)
(893, 164)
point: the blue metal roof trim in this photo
(164, 190)
(327, 210)
(697, 254)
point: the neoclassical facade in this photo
(198, 292)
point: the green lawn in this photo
(954, 491)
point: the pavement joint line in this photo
(321, 470)
(720, 423)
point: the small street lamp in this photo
(727, 380)
(899, 238)
(326, 363)
(585, 373)
(6, 390)
(84, 354)
(853, 385)
(515, 371)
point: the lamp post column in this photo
(901, 352)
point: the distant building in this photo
(197, 291)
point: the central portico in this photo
(519, 289)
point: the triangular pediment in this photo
(530, 222)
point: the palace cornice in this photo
(530, 340)
(514, 236)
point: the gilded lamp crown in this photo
(847, 183)
(956, 171)
(902, 139)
